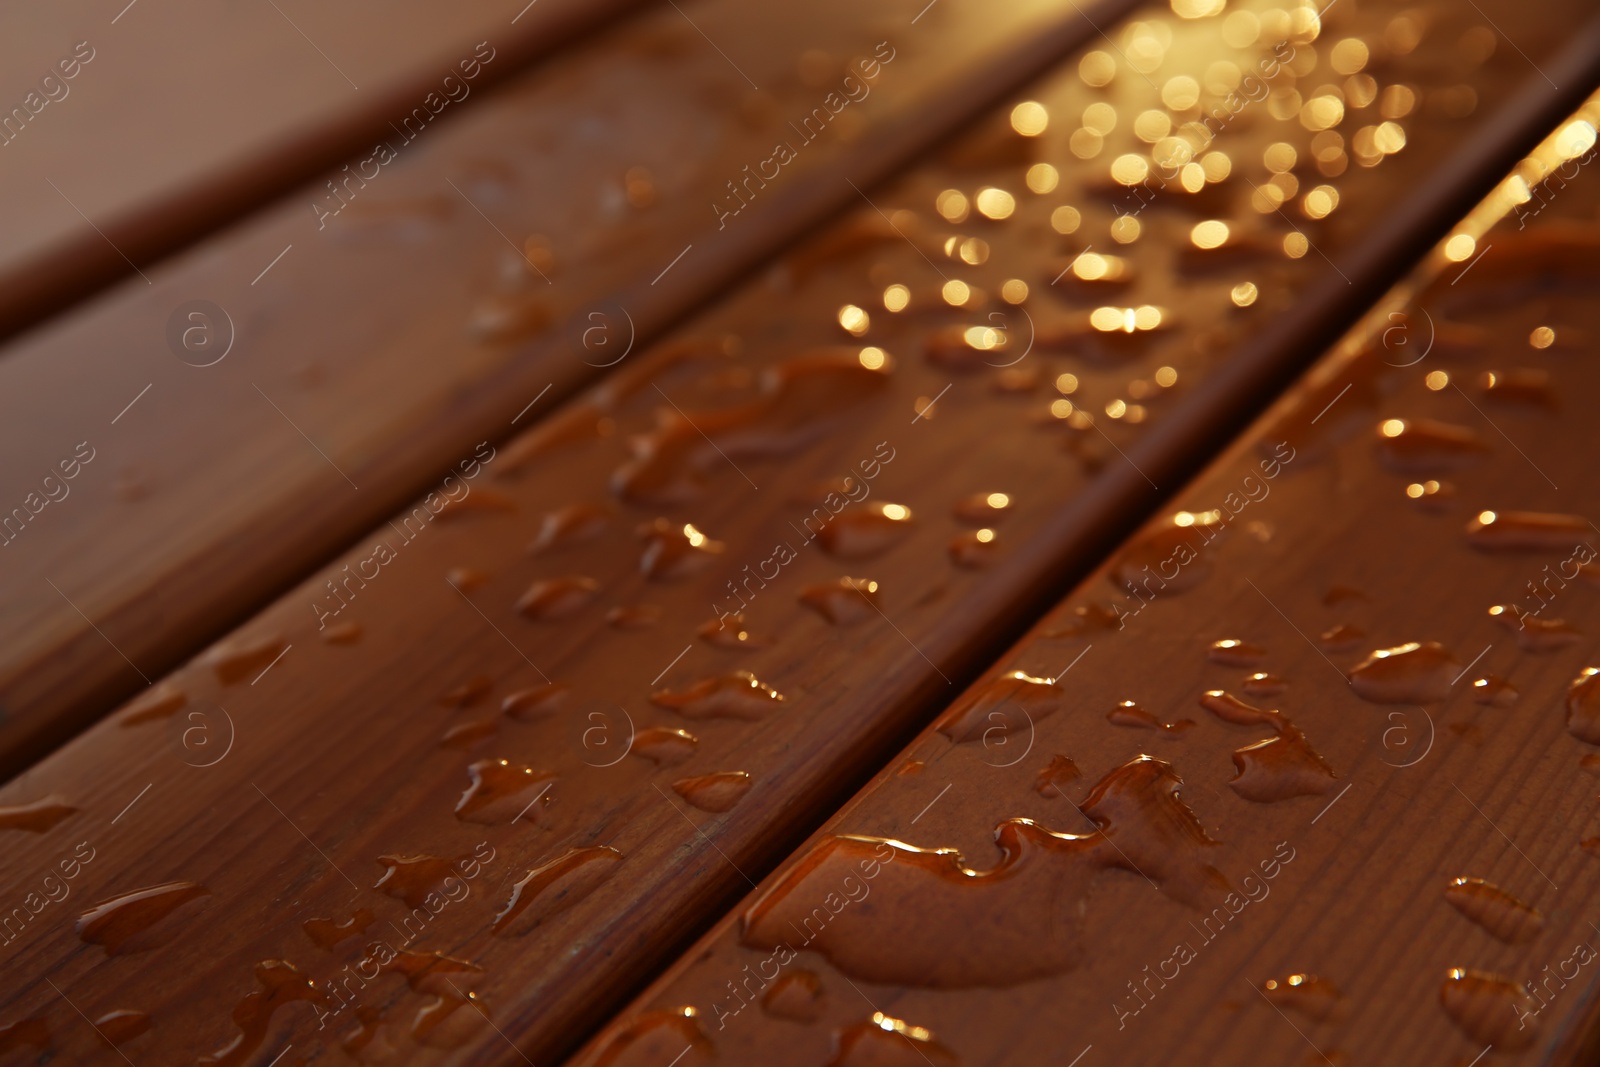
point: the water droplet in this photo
(673, 550)
(1088, 618)
(414, 878)
(570, 525)
(974, 549)
(1234, 652)
(508, 317)
(240, 658)
(1340, 638)
(121, 1026)
(326, 933)
(1170, 558)
(842, 602)
(1412, 673)
(796, 402)
(556, 598)
(1315, 998)
(1128, 713)
(1490, 1009)
(555, 886)
(797, 996)
(728, 631)
(717, 792)
(1533, 633)
(466, 579)
(1261, 684)
(450, 1020)
(998, 927)
(133, 922)
(864, 530)
(37, 817)
(888, 1042)
(1522, 385)
(652, 1038)
(983, 509)
(1431, 495)
(740, 695)
(281, 983)
(529, 705)
(1583, 706)
(1276, 768)
(664, 746)
(635, 617)
(1424, 446)
(1494, 690)
(501, 791)
(996, 703)
(1498, 912)
(157, 702)
(1526, 531)
(467, 693)
(910, 768)
(32, 1032)
(341, 633)
(464, 735)
(480, 501)
(1052, 781)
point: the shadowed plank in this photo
(128, 129)
(333, 771)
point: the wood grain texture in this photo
(372, 354)
(351, 729)
(177, 117)
(1392, 518)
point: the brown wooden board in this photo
(360, 341)
(1304, 774)
(339, 757)
(128, 129)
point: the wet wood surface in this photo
(131, 130)
(456, 795)
(280, 389)
(1304, 773)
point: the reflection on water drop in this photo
(653, 1038)
(673, 550)
(502, 792)
(556, 598)
(570, 525)
(1490, 1009)
(1526, 531)
(37, 817)
(1498, 912)
(843, 602)
(974, 549)
(664, 746)
(133, 922)
(157, 702)
(1127, 713)
(1583, 706)
(796, 996)
(120, 1026)
(281, 984)
(236, 659)
(864, 530)
(553, 887)
(717, 792)
(740, 695)
(888, 1042)
(1315, 998)
(1424, 446)
(1412, 673)
(1494, 690)
(1019, 920)
(326, 933)
(527, 705)
(1008, 702)
(1234, 652)
(1052, 780)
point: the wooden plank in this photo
(372, 342)
(134, 130)
(345, 779)
(1393, 801)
